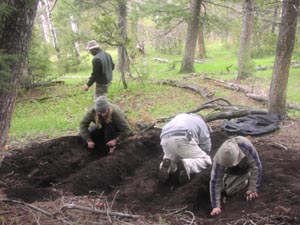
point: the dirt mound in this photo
(64, 166)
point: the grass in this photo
(56, 111)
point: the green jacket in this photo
(118, 118)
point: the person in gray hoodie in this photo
(236, 168)
(185, 141)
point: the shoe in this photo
(164, 171)
(183, 175)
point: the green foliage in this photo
(65, 13)
(40, 67)
(5, 71)
(144, 101)
(5, 10)
(107, 29)
(264, 45)
(165, 14)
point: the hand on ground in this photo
(215, 211)
(91, 144)
(250, 195)
(112, 143)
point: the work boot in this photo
(183, 175)
(164, 171)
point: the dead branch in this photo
(5, 212)
(196, 89)
(265, 99)
(247, 92)
(88, 209)
(225, 108)
(229, 85)
(160, 60)
(233, 114)
(193, 216)
(176, 211)
(264, 67)
(51, 215)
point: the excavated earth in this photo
(63, 171)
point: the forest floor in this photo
(61, 181)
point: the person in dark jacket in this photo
(110, 126)
(236, 168)
(102, 69)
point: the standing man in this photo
(236, 167)
(186, 143)
(102, 69)
(110, 126)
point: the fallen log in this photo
(229, 85)
(231, 114)
(265, 99)
(248, 93)
(160, 60)
(193, 88)
(225, 108)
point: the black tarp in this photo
(252, 125)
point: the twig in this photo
(176, 211)
(112, 203)
(5, 212)
(193, 216)
(51, 215)
(83, 208)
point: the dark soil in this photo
(65, 167)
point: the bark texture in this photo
(122, 49)
(285, 47)
(187, 65)
(15, 33)
(244, 68)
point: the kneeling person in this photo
(185, 141)
(110, 126)
(236, 167)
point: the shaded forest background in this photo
(131, 30)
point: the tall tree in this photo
(122, 49)
(200, 41)
(44, 23)
(285, 47)
(244, 58)
(51, 27)
(191, 38)
(16, 19)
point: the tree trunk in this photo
(201, 44)
(187, 65)
(274, 19)
(123, 64)
(51, 28)
(44, 23)
(74, 28)
(285, 47)
(15, 33)
(244, 67)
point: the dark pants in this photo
(102, 136)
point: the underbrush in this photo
(55, 111)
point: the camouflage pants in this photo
(101, 89)
(234, 184)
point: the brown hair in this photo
(108, 120)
